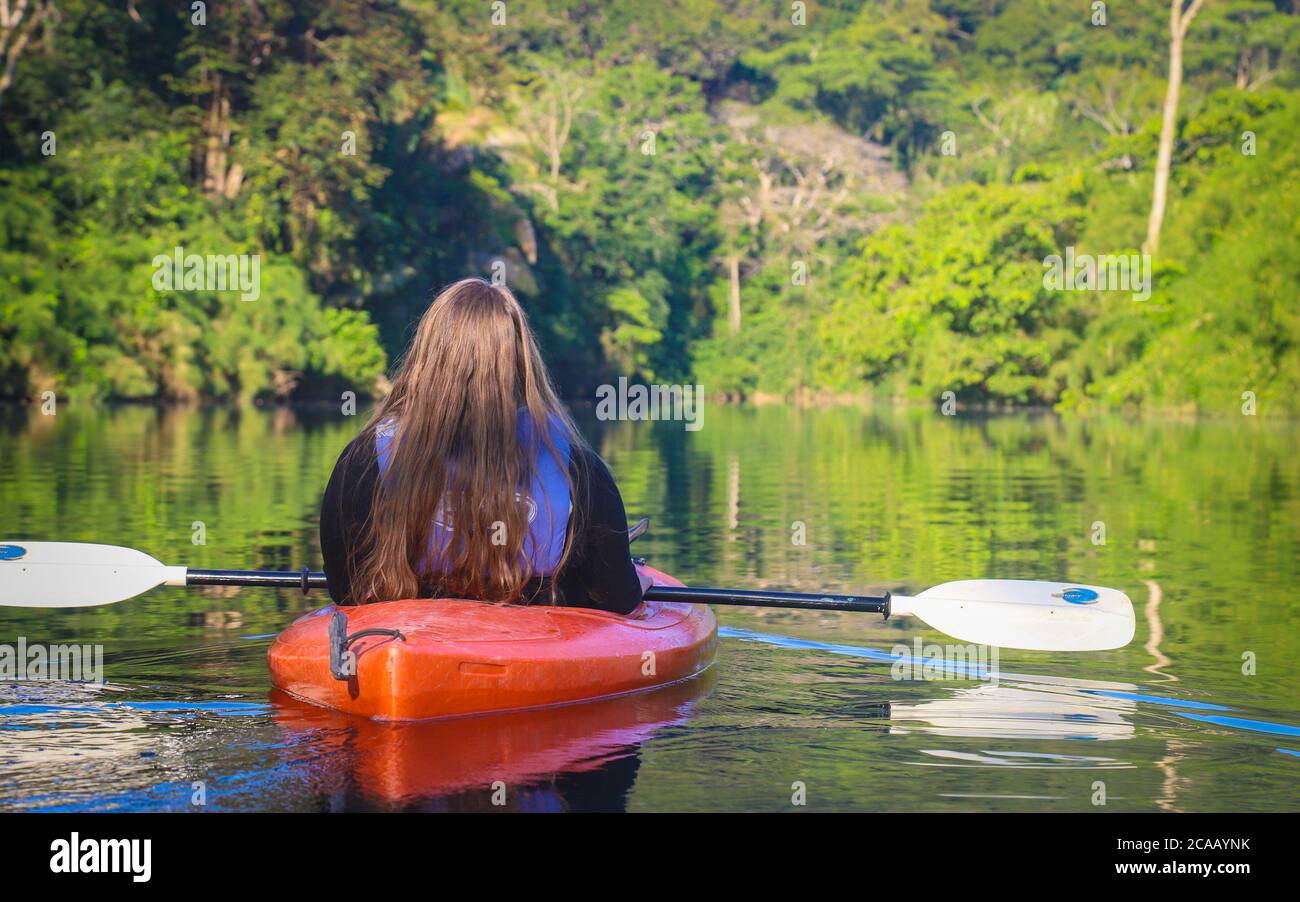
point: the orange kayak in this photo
(421, 659)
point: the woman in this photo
(470, 481)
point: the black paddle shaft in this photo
(870, 604)
(280, 579)
(310, 579)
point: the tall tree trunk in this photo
(18, 21)
(1178, 23)
(733, 297)
(214, 159)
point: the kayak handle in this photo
(340, 642)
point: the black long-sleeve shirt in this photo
(599, 573)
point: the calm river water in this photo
(1198, 522)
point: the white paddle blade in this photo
(76, 575)
(1015, 613)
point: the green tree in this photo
(956, 301)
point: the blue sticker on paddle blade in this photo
(1078, 595)
(12, 552)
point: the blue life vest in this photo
(549, 504)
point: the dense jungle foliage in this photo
(768, 198)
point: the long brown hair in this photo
(471, 370)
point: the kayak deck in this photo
(458, 657)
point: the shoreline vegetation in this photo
(862, 402)
(997, 206)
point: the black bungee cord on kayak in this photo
(340, 642)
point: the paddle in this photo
(1045, 616)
